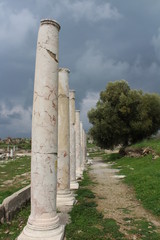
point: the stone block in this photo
(14, 202)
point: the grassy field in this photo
(142, 173)
(153, 143)
(87, 223)
(25, 145)
(15, 174)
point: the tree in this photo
(123, 115)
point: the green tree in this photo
(123, 115)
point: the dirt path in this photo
(116, 200)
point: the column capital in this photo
(71, 94)
(64, 70)
(50, 21)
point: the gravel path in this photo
(115, 199)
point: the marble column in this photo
(81, 146)
(73, 183)
(64, 194)
(78, 146)
(43, 222)
(11, 152)
(85, 146)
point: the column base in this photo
(79, 178)
(31, 234)
(42, 228)
(65, 198)
(74, 185)
(79, 175)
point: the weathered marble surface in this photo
(64, 195)
(81, 146)
(43, 222)
(73, 183)
(78, 146)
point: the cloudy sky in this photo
(100, 41)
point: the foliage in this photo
(123, 115)
(23, 143)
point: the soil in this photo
(116, 200)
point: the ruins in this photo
(57, 140)
(64, 195)
(73, 182)
(43, 222)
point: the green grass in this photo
(86, 181)
(153, 143)
(25, 145)
(144, 175)
(142, 229)
(96, 154)
(13, 176)
(11, 230)
(91, 145)
(111, 157)
(87, 223)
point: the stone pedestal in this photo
(78, 146)
(73, 183)
(43, 222)
(64, 195)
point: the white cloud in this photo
(93, 64)
(15, 25)
(87, 103)
(90, 10)
(156, 44)
(15, 120)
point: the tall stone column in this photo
(73, 183)
(78, 146)
(84, 147)
(81, 146)
(64, 195)
(43, 222)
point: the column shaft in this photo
(73, 182)
(64, 196)
(43, 222)
(78, 146)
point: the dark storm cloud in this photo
(100, 41)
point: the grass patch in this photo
(153, 143)
(91, 145)
(25, 145)
(112, 157)
(142, 229)
(144, 175)
(87, 223)
(11, 230)
(13, 176)
(96, 154)
(86, 180)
